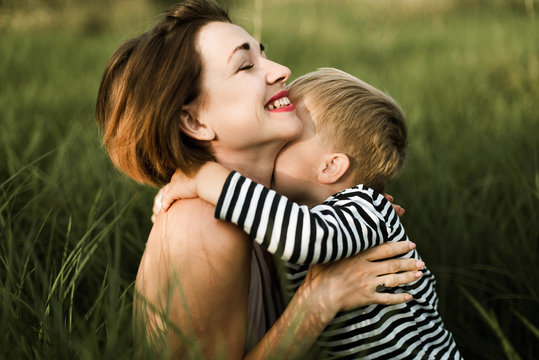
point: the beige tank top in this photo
(265, 301)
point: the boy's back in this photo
(410, 330)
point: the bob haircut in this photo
(358, 120)
(146, 83)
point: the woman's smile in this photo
(280, 103)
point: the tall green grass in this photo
(72, 229)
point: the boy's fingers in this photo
(167, 201)
(165, 198)
(157, 203)
(158, 199)
(388, 250)
(388, 197)
(166, 204)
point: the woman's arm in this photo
(331, 288)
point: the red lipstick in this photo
(279, 95)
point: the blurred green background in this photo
(72, 228)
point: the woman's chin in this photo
(293, 126)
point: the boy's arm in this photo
(294, 233)
(206, 184)
(298, 234)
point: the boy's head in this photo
(353, 134)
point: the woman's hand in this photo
(398, 209)
(351, 283)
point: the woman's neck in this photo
(255, 164)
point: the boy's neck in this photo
(321, 192)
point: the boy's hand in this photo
(180, 186)
(157, 207)
(206, 183)
(398, 209)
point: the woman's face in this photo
(243, 98)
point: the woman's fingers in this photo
(398, 209)
(398, 265)
(391, 299)
(388, 197)
(393, 280)
(388, 250)
(360, 280)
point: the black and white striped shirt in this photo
(348, 222)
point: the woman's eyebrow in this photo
(247, 47)
(244, 46)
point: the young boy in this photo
(353, 134)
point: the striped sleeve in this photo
(294, 232)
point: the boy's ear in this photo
(334, 167)
(190, 125)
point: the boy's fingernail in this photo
(418, 274)
(412, 245)
(408, 297)
(420, 264)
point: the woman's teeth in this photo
(279, 103)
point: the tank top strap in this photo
(265, 301)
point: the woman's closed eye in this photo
(245, 67)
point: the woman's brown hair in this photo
(146, 83)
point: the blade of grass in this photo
(492, 321)
(533, 329)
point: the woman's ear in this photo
(334, 167)
(190, 125)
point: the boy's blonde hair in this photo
(358, 120)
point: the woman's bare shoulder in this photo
(189, 234)
(191, 223)
(207, 259)
(187, 241)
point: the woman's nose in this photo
(277, 73)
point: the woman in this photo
(197, 88)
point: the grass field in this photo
(72, 229)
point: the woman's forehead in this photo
(220, 40)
